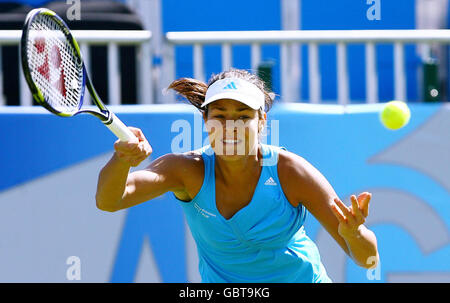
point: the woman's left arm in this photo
(303, 183)
(360, 240)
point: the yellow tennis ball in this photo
(395, 115)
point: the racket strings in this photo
(57, 72)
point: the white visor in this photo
(235, 89)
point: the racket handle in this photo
(119, 129)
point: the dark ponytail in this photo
(191, 89)
(195, 91)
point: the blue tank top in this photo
(263, 242)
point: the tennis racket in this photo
(55, 72)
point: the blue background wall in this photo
(410, 210)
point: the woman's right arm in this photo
(118, 189)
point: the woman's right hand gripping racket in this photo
(55, 71)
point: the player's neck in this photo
(242, 168)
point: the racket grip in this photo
(119, 129)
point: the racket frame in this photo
(107, 117)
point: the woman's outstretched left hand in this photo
(351, 218)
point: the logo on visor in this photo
(230, 86)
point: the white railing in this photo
(288, 40)
(85, 38)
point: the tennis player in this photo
(245, 202)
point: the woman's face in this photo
(233, 128)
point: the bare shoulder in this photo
(290, 170)
(192, 164)
(193, 173)
(290, 164)
(299, 179)
(187, 167)
(180, 164)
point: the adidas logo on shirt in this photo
(230, 86)
(270, 181)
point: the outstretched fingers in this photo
(356, 211)
(363, 201)
(341, 211)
